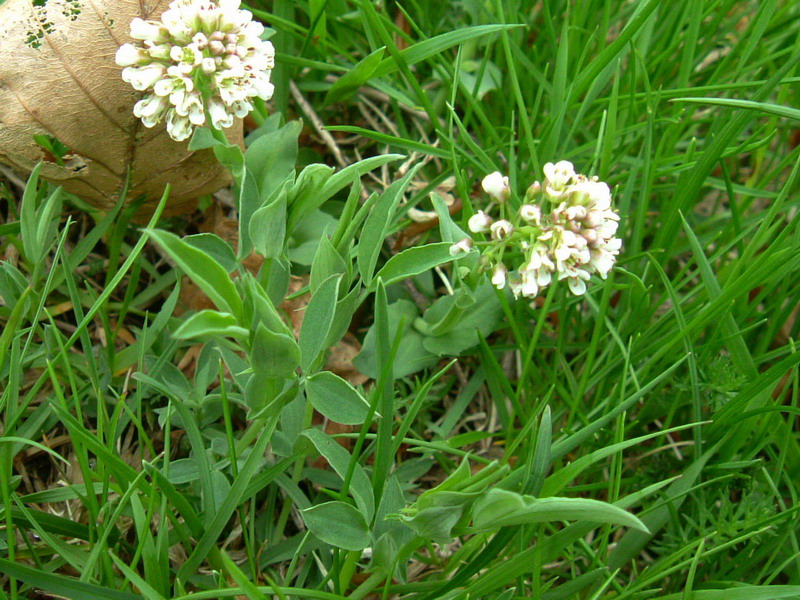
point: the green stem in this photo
(369, 584)
(296, 473)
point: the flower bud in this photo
(148, 30)
(129, 55)
(200, 40)
(496, 185)
(479, 222)
(159, 51)
(534, 190)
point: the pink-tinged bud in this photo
(479, 222)
(576, 212)
(200, 40)
(534, 190)
(496, 185)
(216, 47)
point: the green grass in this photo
(136, 462)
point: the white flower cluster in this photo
(204, 58)
(564, 229)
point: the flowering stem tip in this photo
(204, 59)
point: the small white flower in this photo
(496, 185)
(501, 229)
(607, 228)
(208, 65)
(171, 84)
(543, 277)
(150, 107)
(558, 177)
(148, 30)
(576, 277)
(572, 240)
(560, 174)
(499, 276)
(129, 55)
(595, 193)
(531, 213)
(220, 117)
(602, 261)
(263, 88)
(577, 286)
(178, 127)
(142, 78)
(479, 222)
(462, 247)
(186, 103)
(530, 287)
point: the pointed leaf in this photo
(207, 273)
(500, 508)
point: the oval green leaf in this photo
(338, 524)
(336, 399)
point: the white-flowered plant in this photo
(564, 229)
(204, 60)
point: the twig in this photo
(381, 97)
(12, 177)
(319, 126)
